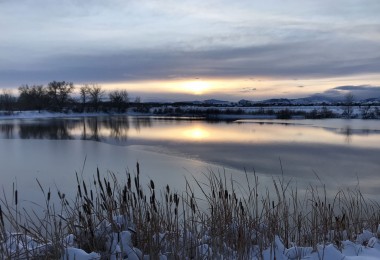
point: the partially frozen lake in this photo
(340, 152)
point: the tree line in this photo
(58, 96)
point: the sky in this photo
(194, 50)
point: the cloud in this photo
(300, 60)
(358, 88)
(113, 41)
(247, 90)
(360, 92)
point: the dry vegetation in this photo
(217, 222)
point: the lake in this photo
(339, 152)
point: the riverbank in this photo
(220, 113)
(112, 219)
(269, 112)
(47, 114)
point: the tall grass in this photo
(213, 219)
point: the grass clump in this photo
(216, 219)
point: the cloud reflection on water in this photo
(121, 130)
(339, 151)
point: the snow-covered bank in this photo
(46, 114)
(243, 117)
(113, 220)
(369, 250)
(222, 113)
(120, 246)
(280, 111)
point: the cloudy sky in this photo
(177, 50)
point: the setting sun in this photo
(196, 87)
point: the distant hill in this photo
(316, 99)
(216, 102)
(275, 101)
(244, 102)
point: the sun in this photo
(196, 87)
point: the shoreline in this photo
(217, 117)
(46, 114)
(123, 224)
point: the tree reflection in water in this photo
(7, 130)
(41, 129)
(93, 127)
(347, 131)
(117, 129)
(112, 129)
(141, 122)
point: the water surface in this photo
(339, 152)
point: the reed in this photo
(207, 220)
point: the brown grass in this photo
(215, 222)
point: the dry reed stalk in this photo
(224, 217)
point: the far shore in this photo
(212, 113)
(47, 114)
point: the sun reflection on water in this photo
(196, 133)
(124, 131)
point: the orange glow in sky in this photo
(234, 89)
(196, 87)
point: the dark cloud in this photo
(158, 40)
(358, 88)
(296, 60)
(247, 90)
(360, 92)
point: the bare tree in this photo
(33, 97)
(367, 112)
(7, 101)
(119, 99)
(84, 94)
(348, 105)
(96, 94)
(59, 93)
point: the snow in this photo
(337, 110)
(46, 114)
(78, 254)
(367, 247)
(350, 251)
(22, 245)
